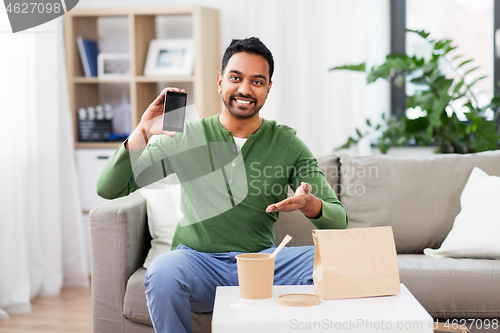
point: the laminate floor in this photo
(70, 312)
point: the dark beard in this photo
(232, 97)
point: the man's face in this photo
(244, 85)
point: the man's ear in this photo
(219, 82)
(269, 88)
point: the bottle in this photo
(91, 113)
(99, 112)
(121, 117)
(108, 111)
(82, 114)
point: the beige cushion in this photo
(476, 228)
(453, 288)
(135, 305)
(330, 166)
(163, 211)
(418, 196)
(296, 225)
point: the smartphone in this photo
(174, 111)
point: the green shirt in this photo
(225, 193)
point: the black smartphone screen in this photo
(174, 111)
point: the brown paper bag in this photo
(352, 263)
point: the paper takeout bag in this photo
(352, 263)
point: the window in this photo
(471, 26)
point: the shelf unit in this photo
(142, 90)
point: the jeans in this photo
(184, 280)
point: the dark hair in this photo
(251, 45)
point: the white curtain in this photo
(307, 37)
(41, 228)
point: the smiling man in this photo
(262, 161)
(244, 93)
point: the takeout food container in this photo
(255, 275)
(299, 299)
(351, 263)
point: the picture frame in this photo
(170, 57)
(113, 65)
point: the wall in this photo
(233, 21)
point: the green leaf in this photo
(458, 86)
(421, 33)
(348, 144)
(449, 48)
(358, 68)
(465, 62)
(420, 81)
(425, 100)
(476, 80)
(470, 70)
(368, 122)
(359, 133)
(443, 45)
(401, 141)
(429, 131)
(440, 82)
(495, 100)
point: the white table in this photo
(398, 313)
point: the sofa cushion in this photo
(330, 166)
(476, 228)
(163, 210)
(418, 196)
(296, 225)
(135, 305)
(453, 288)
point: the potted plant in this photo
(438, 97)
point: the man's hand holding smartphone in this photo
(151, 122)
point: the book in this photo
(88, 54)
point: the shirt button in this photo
(233, 165)
(234, 149)
(230, 181)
